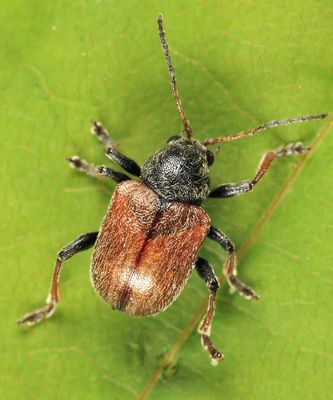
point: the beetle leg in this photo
(235, 189)
(102, 134)
(126, 163)
(229, 269)
(206, 272)
(96, 172)
(83, 242)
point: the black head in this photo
(179, 171)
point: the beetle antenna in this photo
(270, 124)
(172, 73)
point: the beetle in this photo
(149, 241)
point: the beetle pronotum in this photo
(150, 238)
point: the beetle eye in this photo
(210, 157)
(172, 138)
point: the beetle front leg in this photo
(206, 272)
(125, 162)
(83, 242)
(102, 134)
(235, 189)
(81, 165)
(112, 153)
(229, 269)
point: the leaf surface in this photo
(238, 64)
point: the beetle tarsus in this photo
(102, 134)
(243, 290)
(81, 165)
(36, 316)
(215, 355)
(292, 149)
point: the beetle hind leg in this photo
(83, 242)
(207, 274)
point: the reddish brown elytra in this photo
(150, 238)
(131, 269)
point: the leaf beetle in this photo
(149, 240)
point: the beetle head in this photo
(179, 171)
(209, 154)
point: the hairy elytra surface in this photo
(156, 255)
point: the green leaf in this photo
(238, 64)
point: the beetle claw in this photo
(215, 355)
